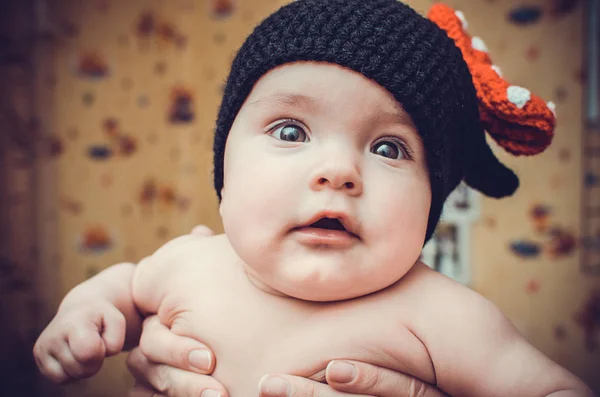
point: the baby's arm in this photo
(96, 319)
(155, 277)
(476, 351)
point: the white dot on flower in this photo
(497, 70)
(552, 107)
(478, 44)
(462, 18)
(519, 96)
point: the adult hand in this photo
(169, 365)
(348, 378)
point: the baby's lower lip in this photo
(325, 237)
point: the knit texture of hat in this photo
(407, 54)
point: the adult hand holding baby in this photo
(169, 365)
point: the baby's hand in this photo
(79, 337)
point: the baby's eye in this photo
(290, 133)
(390, 149)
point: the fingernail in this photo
(274, 386)
(200, 359)
(210, 393)
(341, 371)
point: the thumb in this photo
(159, 344)
(360, 378)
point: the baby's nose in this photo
(338, 174)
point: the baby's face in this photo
(326, 192)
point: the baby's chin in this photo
(318, 290)
(322, 278)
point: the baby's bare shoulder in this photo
(191, 252)
(182, 258)
(436, 299)
(178, 268)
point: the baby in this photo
(344, 126)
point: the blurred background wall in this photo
(106, 118)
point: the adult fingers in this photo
(143, 390)
(159, 344)
(358, 377)
(169, 381)
(296, 386)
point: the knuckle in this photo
(380, 379)
(90, 352)
(369, 379)
(42, 367)
(149, 321)
(134, 360)
(56, 373)
(195, 390)
(161, 383)
(76, 371)
(417, 388)
(120, 318)
(306, 389)
(144, 345)
(312, 391)
(114, 314)
(180, 358)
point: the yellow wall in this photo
(157, 182)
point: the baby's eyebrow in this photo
(305, 102)
(395, 114)
(289, 99)
(398, 116)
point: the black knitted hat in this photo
(404, 52)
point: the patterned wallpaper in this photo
(126, 97)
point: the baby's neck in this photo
(258, 283)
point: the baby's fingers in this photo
(99, 336)
(51, 368)
(47, 363)
(86, 344)
(113, 331)
(72, 367)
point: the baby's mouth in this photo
(329, 224)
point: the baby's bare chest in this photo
(253, 334)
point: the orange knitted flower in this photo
(522, 123)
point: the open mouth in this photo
(329, 224)
(327, 232)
